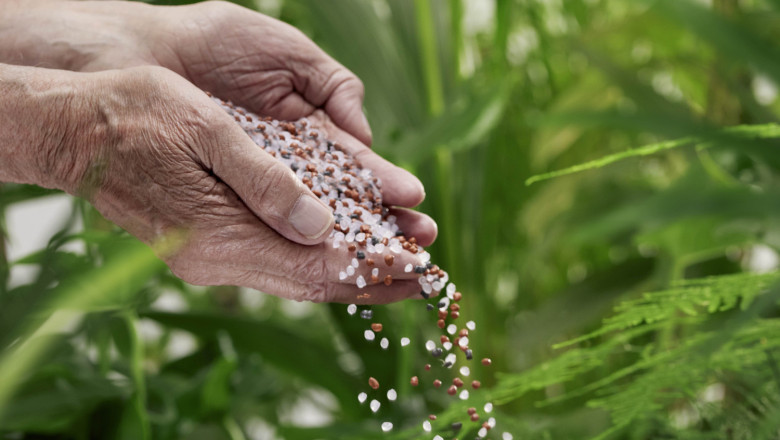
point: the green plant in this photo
(621, 299)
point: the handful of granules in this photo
(369, 232)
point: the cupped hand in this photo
(170, 166)
(256, 61)
(167, 164)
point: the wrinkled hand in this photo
(157, 157)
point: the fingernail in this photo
(310, 217)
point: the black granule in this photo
(425, 295)
(447, 364)
(374, 240)
(294, 166)
(469, 354)
(419, 269)
(354, 216)
(361, 255)
(286, 155)
(429, 266)
(330, 145)
(436, 352)
(429, 307)
(366, 314)
(442, 304)
(456, 426)
(399, 233)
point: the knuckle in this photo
(314, 270)
(349, 84)
(150, 77)
(318, 293)
(358, 86)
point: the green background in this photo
(635, 299)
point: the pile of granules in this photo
(365, 228)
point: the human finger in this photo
(399, 187)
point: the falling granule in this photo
(482, 432)
(488, 407)
(450, 359)
(492, 422)
(414, 381)
(506, 436)
(367, 231)
(392, 395)
(373, 383)
(438, 437)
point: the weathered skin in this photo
(113, 111)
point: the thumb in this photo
(270, 189)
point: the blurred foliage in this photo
(633, 296)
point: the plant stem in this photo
(430, 57)
(456, 27)
(137, 373)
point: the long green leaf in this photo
(747, 132)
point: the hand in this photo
(255, 61)
(163, 161)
